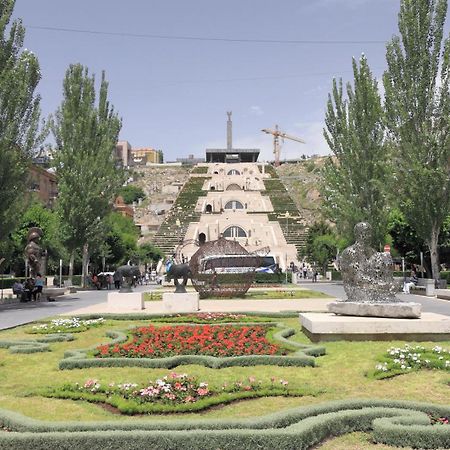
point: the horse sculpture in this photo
(177, 271)
(128, 274)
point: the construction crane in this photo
(277, 134)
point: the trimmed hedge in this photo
(396, 423)
(132, 407)
(35, 345)
(303, 356)
(272, 278)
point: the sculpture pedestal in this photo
(400, 310)
(329, 327)
(129, 301)
(178, 303)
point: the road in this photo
(429, 304)
(16, 314)
(21, 313)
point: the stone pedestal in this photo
(329, 327)
(400, 310)
(125, 301)
(180, 303)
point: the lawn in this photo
(257, 294)
(340, 374)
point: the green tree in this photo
(19, 117)
(36, 215)
(131, 193)
(355, 178)
(149, 254)
(121, 237)
(417, 101)
(324, 248)
(86, 134)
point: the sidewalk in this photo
(239, 305)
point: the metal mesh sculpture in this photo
(223, 268)
(367, 274)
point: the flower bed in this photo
(213, 317)
(173, 393)
(209, 340)
(72, 325)
(403, 360)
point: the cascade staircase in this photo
(294, 232)
(172, 231)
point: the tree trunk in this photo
(71, 265)
(84, 271)
(432, 244)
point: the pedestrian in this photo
(305, 271)
(38, 286)
(413, 280)
(117, 277)
(315, 274)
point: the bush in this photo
(397, 423)
(397, 361)
(174, 393)
(336, 275)
(35, 345)
(272, 278)
(303, 356)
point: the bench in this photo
(443, 294)
(50, 293)
(425, 286)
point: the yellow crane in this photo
(277, 134)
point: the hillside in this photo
(302, 181)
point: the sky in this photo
(173, 93)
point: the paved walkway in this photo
(85, 302)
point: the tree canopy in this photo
(417, 101)
(354, 187)
(19, 117)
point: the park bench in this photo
(443, 294)
(425, 286)
(50, 293)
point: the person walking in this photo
(38, 286)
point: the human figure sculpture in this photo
(367, 275)
(33, 251)
(177, 271)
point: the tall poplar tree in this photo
(86, 134)
(355, 177)
(417, 103)
(19, 116)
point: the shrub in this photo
(396, 423)
(36, 345)
(397, 361)
(174, 393)
(72, 325)
(303, 356)
(211, 340)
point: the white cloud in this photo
(256, 110)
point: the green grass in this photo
(282, 294)
(340, 374)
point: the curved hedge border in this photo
(396, 423)
(304, 355)
(141, 317)
(35, 345)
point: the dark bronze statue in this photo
(177, 271)
(127, 275)
(367, 275)
(34, 252)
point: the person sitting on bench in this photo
(413, 280)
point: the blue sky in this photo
(173, 94)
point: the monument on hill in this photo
(368, 282)
(230, 154)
